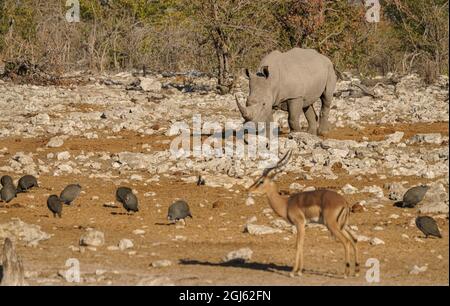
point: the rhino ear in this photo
(266, 71)
(247, 73)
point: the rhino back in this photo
(298, 73)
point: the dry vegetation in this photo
(221, 36)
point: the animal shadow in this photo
(270, 267)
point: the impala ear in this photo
(247, 73)
(265, 71)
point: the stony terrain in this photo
(111, 131)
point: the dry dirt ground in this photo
(196, 251)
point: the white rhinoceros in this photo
(292, 81)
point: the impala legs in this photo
(339, 234)
(298, 266)
(353, 242)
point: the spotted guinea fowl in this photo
(413, 196)
(8, 192)
(179, 210)
(26, 182)
(70, 193)
(130, 202)
(428, 226)
(54, 205)
(6, 179)
(121, 192)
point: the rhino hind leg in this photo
(326, 98)
(295, 108)
(311, 117)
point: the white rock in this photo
(309, 188)
(243, 254)
(349, 189)
(250, 201)
(31, 234)
(296, 186)
(161, 263)
(433, 138)
(55, 142)
(284, 225)
(63, 155)
(125, 244)
(416, 270)
(395, 137)
(136, 177)
(149, 84)
(92, 238)
(138, 232)
(254, 229)
(376, 241)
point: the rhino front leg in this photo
(295, 108)
(311, 117)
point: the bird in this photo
(179, 210)
(6, 179)
(26, 182)
(428, 226)
(121, 192)
(55, 205)
(130, 202)
(70, 193)
(8, 192)
(413, 196)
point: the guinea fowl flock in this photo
(179, 210)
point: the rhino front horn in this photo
(242, 109)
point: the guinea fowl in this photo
(26, 182)
(70, 193)
(121, 192)
(413, 196)
(6, 179)
(428, 226)
(54, 205)
(179, 210)
(8, 192)
(130, 202)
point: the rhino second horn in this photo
(242, 109)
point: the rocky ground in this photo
(113, 130)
